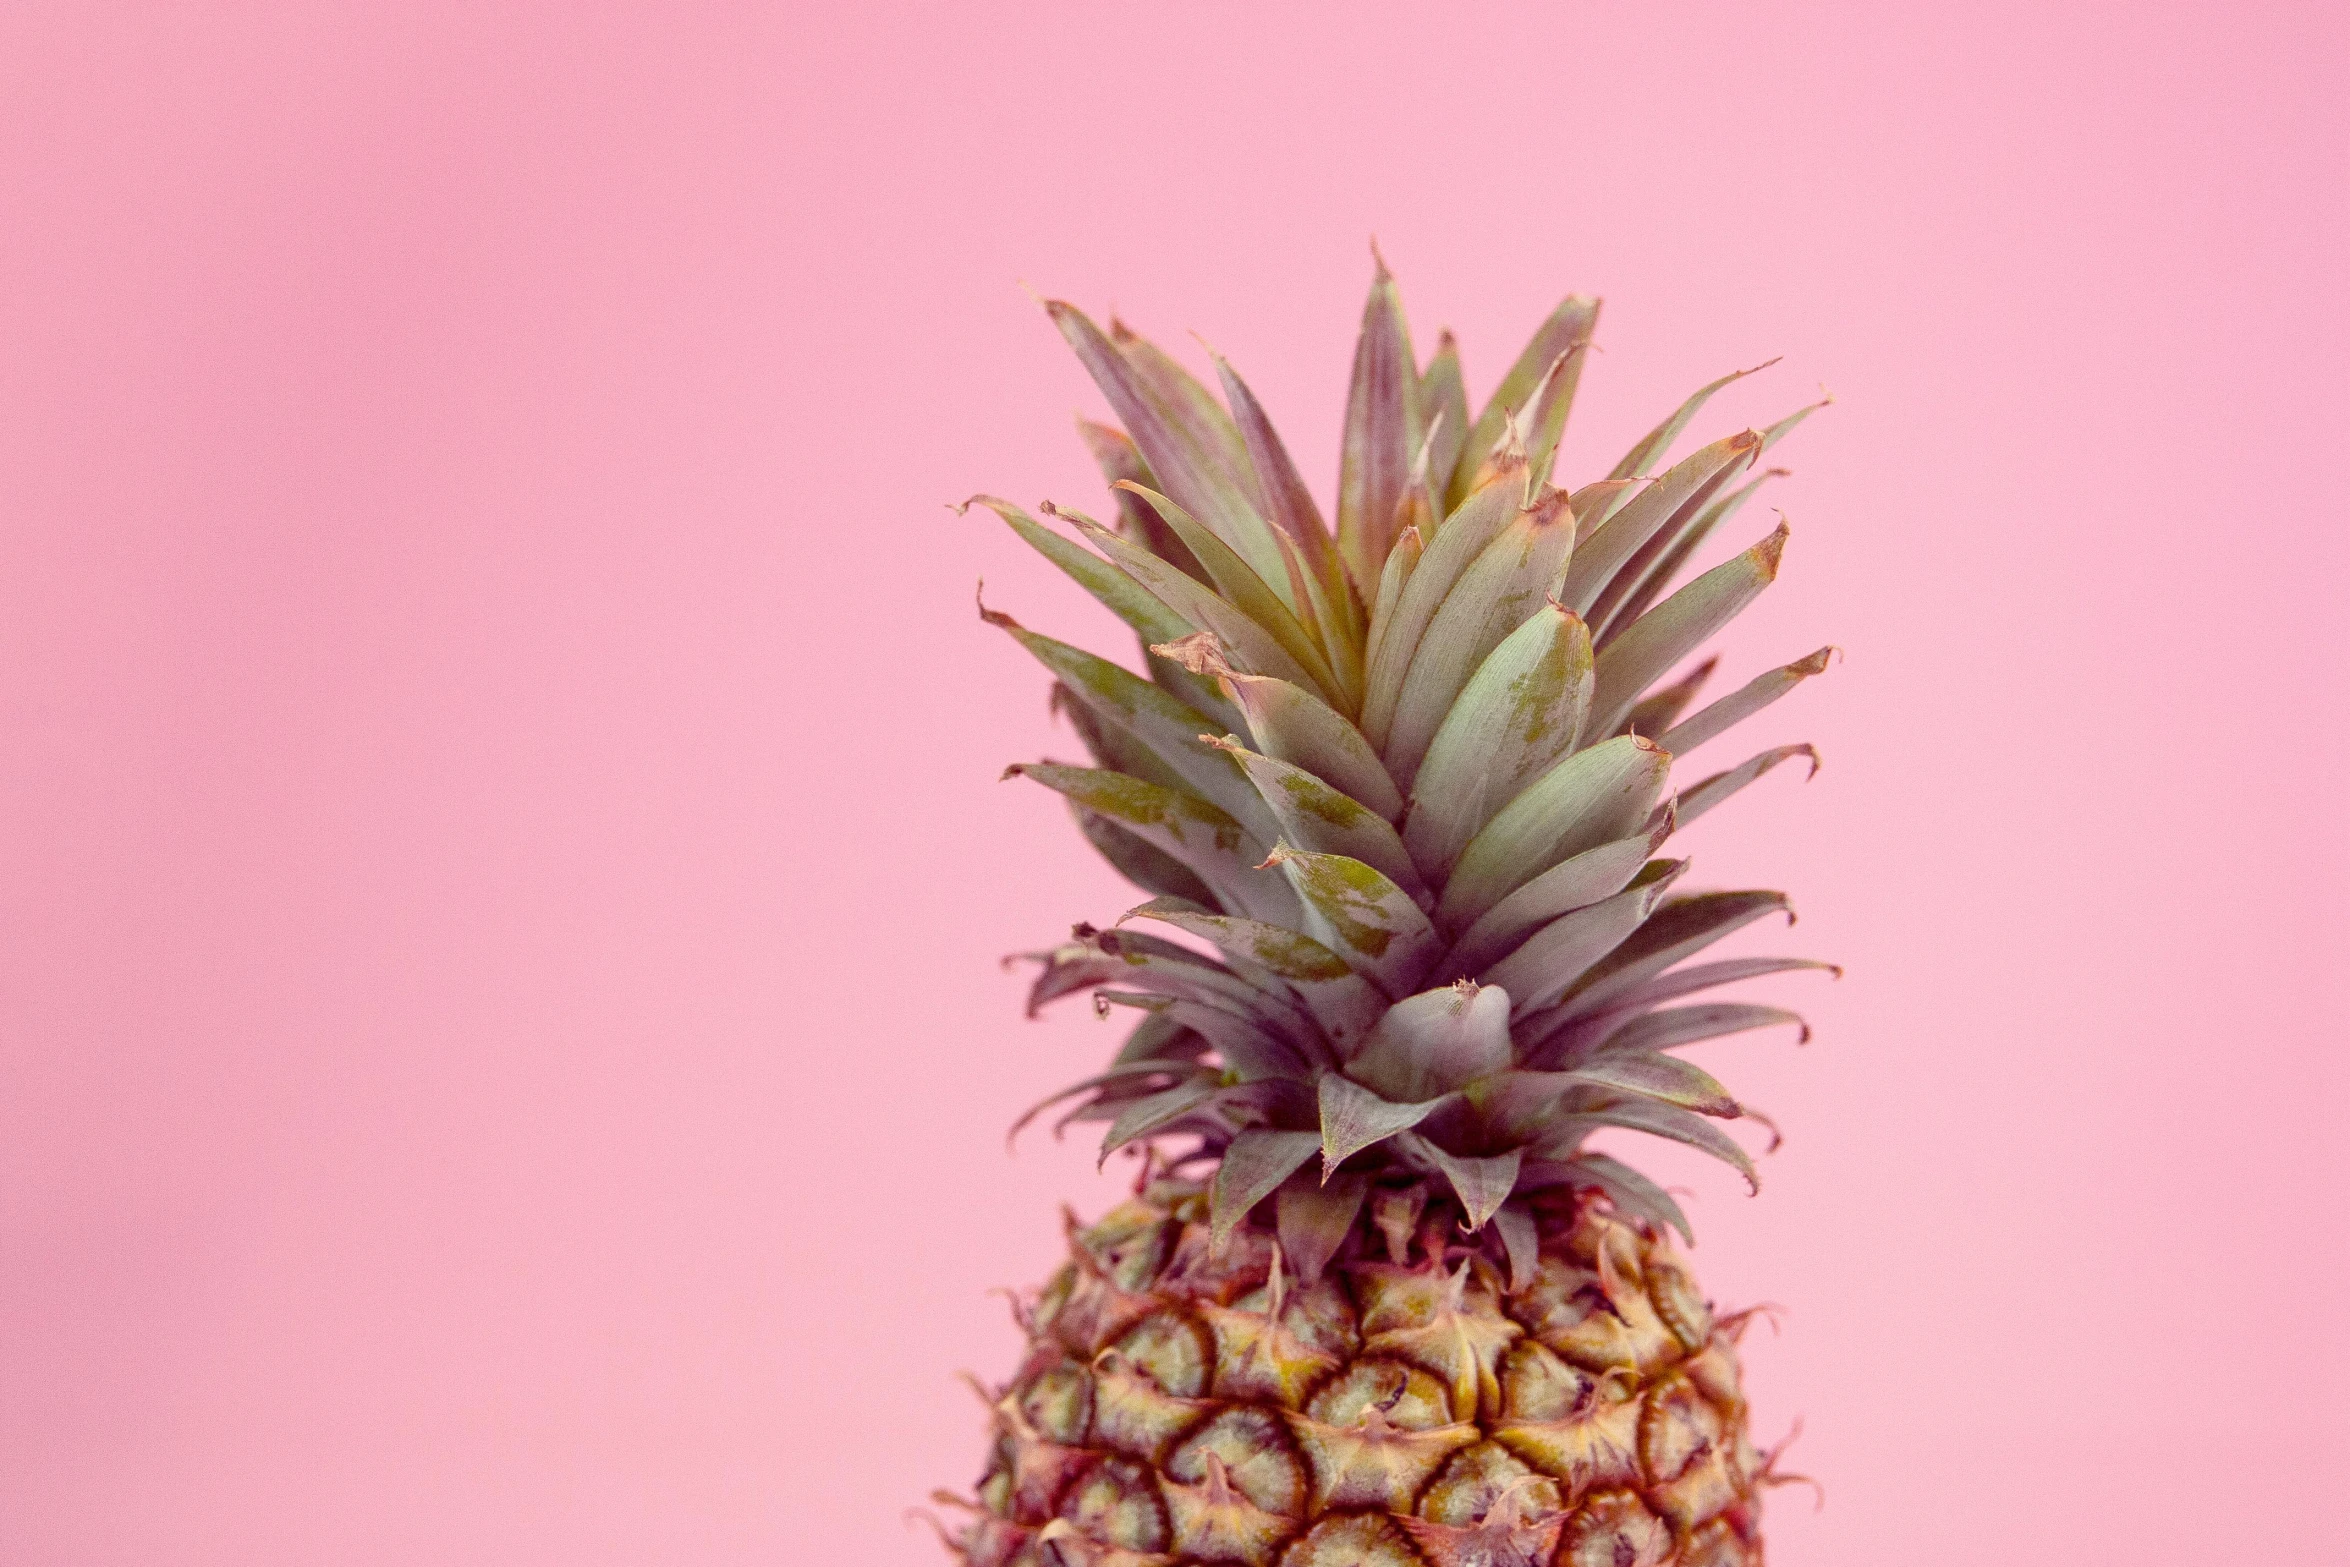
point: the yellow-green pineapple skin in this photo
(1178, 1404)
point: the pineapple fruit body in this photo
(1182, 1403)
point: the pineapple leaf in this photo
(1394, 576)
(1150, 868)
(1444, 405)
(1169, 729)
(1654, 713)
(1382, 433)
(1593, 504)
(1482, 1184)
(1183, 449)
(1506, 584)
(1521, 1244)
(1122, 1075)
(1361, 915)
(1667, 1121)
(1252, 1169)
(1743, 703)
(1520, 712)
(1293, 725)
(1115, 455)
(1354, 1118)
(1551, 960)
(1608, 564)
(1572, 884)
(1675, 931)
(1204, 839)
(1160, 1041)
(1313, 1220)
(1342, 1001)
(1316, 817)
(1643, 456)
(1253, 1056)
(1157, 1112)
(1396, 636)
(1677, 1026)
(1243, 639)
(1632, 1193)
(1181, 974)
(1568, 325)
(1652, 1076)
(1111, 746)
(1246, 591)
(1437, 1041)
(1699, 798)
(1670, 632)
(1773, 434)
(1667, 564)
(1199, 420)
(1117, 591)
(1705, 976)
(1545, 419)
(1588, 798)
(1290, 507)
(1124, 597)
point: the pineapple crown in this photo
(1408, 781)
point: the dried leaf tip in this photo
(1209, 349)
(994, 617)
(1200, 653)
(1380, 273)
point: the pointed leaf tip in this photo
(1355, 1118)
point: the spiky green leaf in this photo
(1395, 635)
(1297, 727)
(1240, 586)
(1482, 1184)
(1444, 408)
(1509, 582)
(1519, 713)
(1566, 326)
(1613, 554)
(1382, 434)
(1313, 1220)
(1674, 1027)
(1743, 703)
(1362, 916)
(1252, 1169)
(1439, 1040)
(1575, 883)
(1342, 1001)
(1593, 796)
(1699, 798)
(1677, 930)
(1670, 632)
(1355, 1118)
(1316, 817)
(1551, 960)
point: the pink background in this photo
(503, 875)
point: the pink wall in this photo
(504, 1058)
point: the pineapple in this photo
(1405, 785)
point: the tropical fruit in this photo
(1400, 792)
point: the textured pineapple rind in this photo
(1395, 1412)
